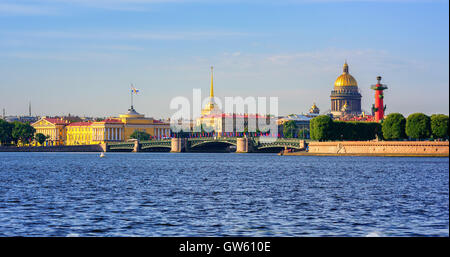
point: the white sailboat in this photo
(102, 154)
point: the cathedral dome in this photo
(345, 79)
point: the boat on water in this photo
(102, 154)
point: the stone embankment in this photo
(377, 148)
(60, 148)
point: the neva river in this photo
(216, 194)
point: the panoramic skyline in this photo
(80, 57)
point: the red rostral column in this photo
(378, 107)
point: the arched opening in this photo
(155, 149)
(272, 149)
(213, 147)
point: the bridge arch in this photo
(212, 145)
(156, 148)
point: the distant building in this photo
(115, 129)
(314, 110)
(63, 132)
(133, 120)
(23, 119)
(361, 117)
(301, 120)
(53, 128)
(223, 124)
(345, 98)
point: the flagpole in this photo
(131, 94)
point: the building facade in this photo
(345, 97)
(133, 120)
(53, 128)
(63, 132)
(79, 133)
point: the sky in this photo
(80, 56)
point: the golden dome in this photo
(345, 80)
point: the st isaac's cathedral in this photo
(345, 98)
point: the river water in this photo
(219, 194)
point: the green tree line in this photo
(323, 128)
(15, 132)
(395, 126)
(291, 130)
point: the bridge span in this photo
(177, 145)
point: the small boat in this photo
(102, 154)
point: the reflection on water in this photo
(201, 194)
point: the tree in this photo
(320, 128)
(418, 126)
(140, 135)
(355, 130)
(393, 127)
(303, 133)
(5, 132)
(23, 132)
(439, 125)
(40, 138)
(289, 129)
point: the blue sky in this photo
(80, 56)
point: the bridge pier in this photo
(302, 144)
(137, 146)
(104, 147)
(178, 145)
(242, 145)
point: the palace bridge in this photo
(177, 145)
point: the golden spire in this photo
(211, 93)
(345, 67)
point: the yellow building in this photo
(133, 120)
(115, 129)
(108, 130)
(54, 128)
(62, 132)
(79, 133)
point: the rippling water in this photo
(201, 194)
